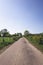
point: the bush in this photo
(5, 41)
(41, 41)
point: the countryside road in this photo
(21, 53)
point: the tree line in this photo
(5, 33)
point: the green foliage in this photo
(16, 36)
(4, 41)
(6, 38)
(26, 32)
(36, 40)
(41, 41)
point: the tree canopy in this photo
(26, 32)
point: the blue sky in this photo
(21, 15)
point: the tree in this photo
(4, 32)
(19, 34)
(26, 32)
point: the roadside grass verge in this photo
(6, 41)
(35, 40)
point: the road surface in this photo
(21, 53)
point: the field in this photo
(36, 40)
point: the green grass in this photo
(35, 40)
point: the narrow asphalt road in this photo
(21, 53)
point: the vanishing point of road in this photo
(21, 53)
